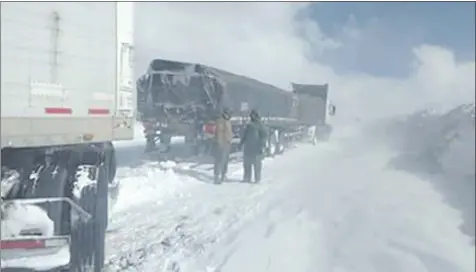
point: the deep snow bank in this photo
(342, 208)
(336, 206)
(439, 147)
(435, 142)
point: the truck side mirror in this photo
(332, 110)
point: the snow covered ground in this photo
(439, 146)
(339, 206)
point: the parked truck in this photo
(184, 99)
(177, 98)
(314, 109)
(66, 95)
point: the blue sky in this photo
(380, 59)
(389, 30)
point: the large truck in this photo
(66, 94)
(177, 98)
(183, 99)
(314, 109)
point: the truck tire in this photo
(101, 219)
(165, 142)
(56, 178)
(273, 143)
(88, 238)
(113, 184)
(272, 146)
(101, 212)
(281, 143)
(150, 143)
(82, 238)
(165, 138)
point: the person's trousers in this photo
(252, 164)
(220, 166)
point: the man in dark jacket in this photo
(223, 137)
(253, 142)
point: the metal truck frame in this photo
(66, 94)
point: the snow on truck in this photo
(314, 109)
(176, 98)
(66, 94)
(184, 99)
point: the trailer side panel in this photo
(60, 75)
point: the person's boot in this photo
(257, 171)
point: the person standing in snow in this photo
(223, 137)
(253, 142)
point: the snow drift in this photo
(437, 142)
(439, 147)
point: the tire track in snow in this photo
(179, 228)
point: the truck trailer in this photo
(177, 98)
(184, 99)
(66, 94)
(314, 109)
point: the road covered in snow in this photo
(337, 206)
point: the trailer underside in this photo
(54, 208)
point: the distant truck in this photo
(314, 108)
(66, 95)
(184, 99)
(177, 98)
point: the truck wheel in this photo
(165, 139)
(190, 138)
(101, 216)
(113, 185)
(273, 144)
(281, 143)
(150, 143)
(82, 238)
(272, 147)
(88, 238)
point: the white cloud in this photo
(272, 41)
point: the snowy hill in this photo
(439, 142)
(438, 147)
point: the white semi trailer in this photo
(66, 95)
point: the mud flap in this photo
(101, 218)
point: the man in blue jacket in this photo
(253, 142)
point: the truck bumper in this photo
(36, 260)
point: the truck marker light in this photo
(98, 111)
(209, 128)
(22, 244)
(58, 110)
